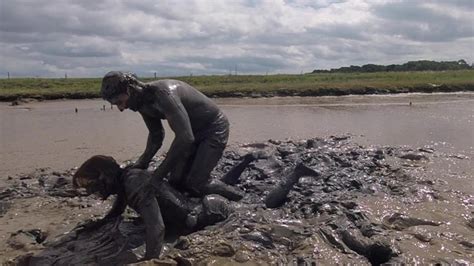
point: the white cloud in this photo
(90, 38)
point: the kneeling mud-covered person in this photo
(157, 205)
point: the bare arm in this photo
(154, 141)
(155, 228)
(179, 122)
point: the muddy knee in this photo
(213, 209)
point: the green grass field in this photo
(260, 85)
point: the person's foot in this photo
(220, 188)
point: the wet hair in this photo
(115, 83)
(91, 170)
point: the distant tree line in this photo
(420, 65)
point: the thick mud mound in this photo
(301, 207)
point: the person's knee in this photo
(196, 189)
(215, 208)
(196, 182)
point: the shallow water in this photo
(50, 134)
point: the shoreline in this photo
(311, 92)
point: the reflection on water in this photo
(51, 134)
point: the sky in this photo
(87, 38)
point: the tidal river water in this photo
(52, 135)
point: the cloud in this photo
(426, 22)
(90, 38)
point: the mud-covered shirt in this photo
(137, 190)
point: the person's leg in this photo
(214, 208)
(186, 216)
(232, 177)
(198, 180)
(278, 196)
(179, 172)
(205, 159)
(175, 207)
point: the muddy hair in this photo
(92, 169)
(116, 82)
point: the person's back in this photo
(174, 206)
(203, 113)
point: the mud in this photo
(336, 203)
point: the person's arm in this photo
(179, 122)
(154, 226)
(156, 134)
(118, 207)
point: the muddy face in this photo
(121, 101)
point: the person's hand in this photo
(138, 165)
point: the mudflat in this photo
(350, 204)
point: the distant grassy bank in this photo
(320, 84)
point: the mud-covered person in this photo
(201, 130)
(157, 206)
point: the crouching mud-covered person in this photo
(158, 206)
(201, 130)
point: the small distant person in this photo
(201, 130)
(158, 206)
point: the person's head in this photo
(118, 87)
(99, 175)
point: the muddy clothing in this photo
(201, 132)
(162, 205)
